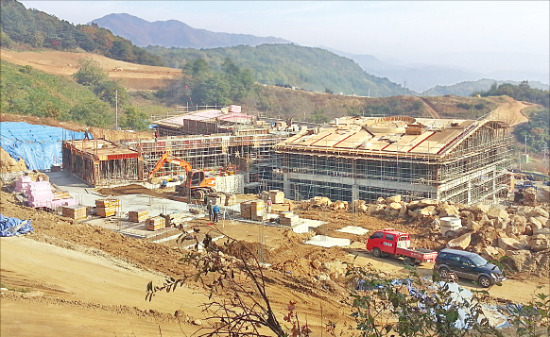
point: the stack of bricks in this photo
(155, 223)
(75, 212)
(138, 216)
(107, 207)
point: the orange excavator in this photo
(197, 184)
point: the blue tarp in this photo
(38, 145)
(13, 226)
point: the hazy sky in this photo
(404, 30)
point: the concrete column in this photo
(286, 184)
(355, 192)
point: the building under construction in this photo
(100, 162)
(365, 158)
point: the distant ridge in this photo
(173, 33)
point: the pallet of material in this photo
(290, 220)
(106, 203)
(105, 212)
(74, 212)
(155, 223)
(138, 216)
(277, 197)
(61, 195)
(246, 209)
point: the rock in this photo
(380, 208)
(428, 202)
(500, 223)
(539, 242)
(539, 211)
(543, 231)
(516, 227)
(196, 322)
(511, 244)
(535, 223)
(395, 206)
(403, 211)
(497, 211)
(445, 209)
(380, 201)
(323, 277)
(486, 223)
(480, 208)
(524, 211)
(427, 211)
(517, 259)
(414, 204)
(336, 267)
(361, 208)
(395, 198)
(462, 241)
(491, 251)
(316, 264)
(414, 213)
(474, 226)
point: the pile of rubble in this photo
(519, 236)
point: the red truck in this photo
(393, 242)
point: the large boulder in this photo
(518, 259)
(526, 211)
(428, 202)
(511, 244)
(462, 241)
(444, 209)
(535, 223)
(480, 208)
(539, 211)
(497, 211)
(395, 198)
(539, 242)
(427, 211)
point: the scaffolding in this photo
(208, 152)
(465, 164)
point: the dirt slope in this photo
(133, 76)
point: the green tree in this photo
(134, 119)
(89, 73)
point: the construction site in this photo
(303, 199)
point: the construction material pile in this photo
(517, 234)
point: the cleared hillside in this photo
(133, 76)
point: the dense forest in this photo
(520, 92)
(36, 29)
(311, 69)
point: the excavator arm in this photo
(167, 157)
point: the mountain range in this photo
(419, 78)
(173, 33)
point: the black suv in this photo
(467, 265)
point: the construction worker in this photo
(210, 210)
(269, 203)
(216, 211)
(86, 134)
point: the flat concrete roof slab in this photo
(354, 230)
(327, 241)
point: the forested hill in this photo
(313, 69)
(29, 27)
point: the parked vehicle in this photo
(393, 242)
(467, 265)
